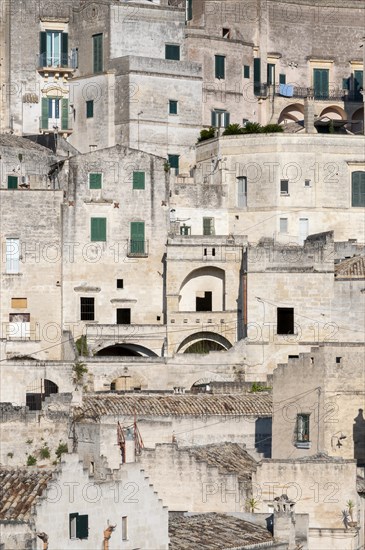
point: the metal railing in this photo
(138, 248)
(55, 126)
(61, 61)
(336, 94)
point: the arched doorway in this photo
(37, 392)
(204, 342)
(291, 113)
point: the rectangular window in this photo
(172, 51)
(79, 526)
(321, 83)
(302, 428)
(283, 225)
(358, 189)
(98, 53)
(189, 10)
(54, 109)
(12, 256)
(74, 58)
(174, 162)
(185, 230)
(257, 75)
(137, 241)
(123, 316)
(53, 49)
(120, 283)
(307, 183)
(303, 229)
(87, 309)
(220, 118)
(208, 226)
(358, 83)
(95, 180)
(12, 182)
(19, 326)
(138, 180)
(172, 107)
(124, 528)
(282, 79)
(284, 187)
(19, 303)
(346, 83)
(204, 301)
(270, 74)
(90, 108)
(285, 320)
(98, 229)
(220, 62)
(241, 192)
(246, 71)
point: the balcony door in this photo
(321, 83)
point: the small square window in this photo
(208, 226)
(338, 360)
(246, 71)
(90, 108)
(172, 51)
(138, 180)
(307, 183)
(302, 428)
(120, 283)
(172, 107)
(185, 230)
(282, 79)
(174, 162)
(79, 526)
(95, 180)
(284, 187)
(226, 33)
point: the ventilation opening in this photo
(120, 283)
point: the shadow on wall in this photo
(359, 438)
(263, 436)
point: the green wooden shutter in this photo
(90, 108)
(321, 83)
(257, 75)
(95, 181)
(137, 238)
(190, 10)
(214, 118)
(12, 182)
(98, 229)
(282, 79)
(64, 114)
(42, 49)
(174, 161)
(82, 527)
(138, 180)
(358, 84)
(207, 226)
(358, 189)
(220, 66)
(246, 71)
(98, 53)
(64, 49)
(44, 118)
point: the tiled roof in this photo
(229, 458)
(19, 489)
(353, 268)
(10, 140)
(177, 405)
(216, 532)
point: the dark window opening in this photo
(79, 526)
(87, 309)
(172, 107)
(338, 360)
(174, 162)
(285, 320)
(226, 33)
(282, 79)
(204, 304)
(246, 71)
(205, 251)
(220, 62)
(213, 251)
(120, 283)
(90, 108)
(158, 317)
(123, 316)
(172, 51)
(358, 189)
(284, 187)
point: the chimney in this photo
(309, 116)
(284, 520)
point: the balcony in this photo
(55, 126)
(336, 94)
(137, 248)
(61, 63)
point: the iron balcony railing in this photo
(55, 125)
(336, 94)
(137, 248)
(60, 61)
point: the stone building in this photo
(69, 507)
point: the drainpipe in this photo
(107, 534)
(44, 538)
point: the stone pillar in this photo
(309, 116)
(284, 521)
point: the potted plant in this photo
(350, 507)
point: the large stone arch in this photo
(293, 113)
(199, 281)
(334, 112)
(37, 391)
(122, 349)
(357, 121)
(204, 336)
(129, 379)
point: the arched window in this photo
(358, 189)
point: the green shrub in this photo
(31, 460)
(81, 346)
(61, 449)
(257, 387)
(233, 130)
(44, 452)
(272, 128)
(206, 134)
(252, 128)
(78, 371)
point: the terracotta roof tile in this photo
(177, 405)
(353, 268)
(19, 490)
(216, 532)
